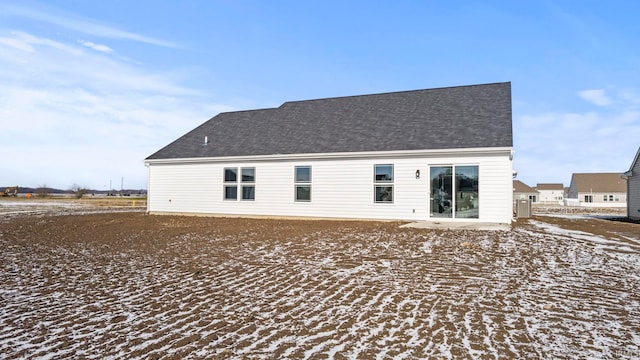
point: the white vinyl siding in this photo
(548, 196)
(597, 199)
(342, 188)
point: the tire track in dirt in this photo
(171, 287)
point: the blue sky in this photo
(88, 89)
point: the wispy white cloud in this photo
(16, 44)
(551, 146)
(23, 41)
(55, 62)
(596, 97)
(79, 24)
(72, 115)
(630, 97)
(97, 47)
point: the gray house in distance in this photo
(633, 188)
(437, 154)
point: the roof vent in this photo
(206, 140)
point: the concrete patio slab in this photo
(458, 225)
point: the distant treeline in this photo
(52, 191)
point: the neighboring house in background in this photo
(438, 154)
(633, 188)
(550, 193)
(524, 191)
(597, 190)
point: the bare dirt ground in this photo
(89, 284)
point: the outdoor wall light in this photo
(418, 174)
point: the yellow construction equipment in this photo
(10, 191)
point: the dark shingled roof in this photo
(444, 118)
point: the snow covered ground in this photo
(8, 207)
(231, 288)
(38, 207)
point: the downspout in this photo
(626, 176)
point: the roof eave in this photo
(503, 151)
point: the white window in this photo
(247, 181)
(302, 179)
(231, 183)
(383, 183)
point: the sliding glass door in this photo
(441, 192)
(454, 192)
(467, 192)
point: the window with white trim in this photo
(383, 183)
(611, 197)
(302, 180)
(248, 181)
(231, 183)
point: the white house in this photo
(633, 188)
(523, 191)
(550, 193)
(597, 190)
(437, 154)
